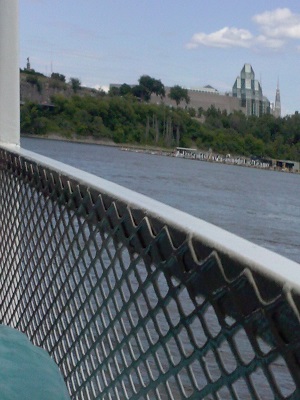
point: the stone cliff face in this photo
(40, 89)
(40, 94)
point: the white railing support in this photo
(9, 72)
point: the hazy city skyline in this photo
(187, 43)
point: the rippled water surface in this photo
(261, 206)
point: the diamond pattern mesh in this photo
(132, 308)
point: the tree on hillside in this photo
(238, 121)
(139, 92)
(177, 93)
(58, 77)
(114, 91)
(158, 88)
(213, 117)
(76, 84)
(33, 80)
(148, 85)
(125, 89)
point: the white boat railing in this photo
(137, 300)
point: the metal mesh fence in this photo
(131, 307)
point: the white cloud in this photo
(273, 17)
(225, 37)
(264, 41)
(279, 23)
(275, 27)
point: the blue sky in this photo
(187, 42)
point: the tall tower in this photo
(277, 108)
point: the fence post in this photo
(9, 72)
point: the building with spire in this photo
(277, 107)
(249, 91)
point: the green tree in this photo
(33, 80)
(58, 77)
(237, 121)
(158, 88)
(40, 125)
(114, 91)
(125, 89)
(76, 84)
(177, 93)
(200, 112)
(148, 85)
(192, 112)
(254, 146)
(139, 92)
(213, 117)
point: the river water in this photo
(259, 205)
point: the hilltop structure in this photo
(249, 91)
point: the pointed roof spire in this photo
(277, 108)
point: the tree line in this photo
(148, 86)
(121, 119)
(125, 115)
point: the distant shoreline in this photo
(150, 150)
(54, 136)
(92, 140)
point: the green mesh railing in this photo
(133, 299)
